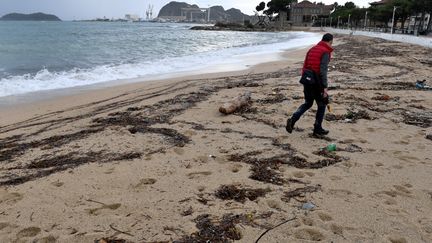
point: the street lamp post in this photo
(325, 22)
(331, 18)
(338, 22)
(365, 23)
(394, 11)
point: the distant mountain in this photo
(236, 15)
(29, 17)
(174, 9)
(217, 13)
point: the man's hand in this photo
(325, 94)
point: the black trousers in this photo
(311, 94)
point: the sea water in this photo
(40, 56)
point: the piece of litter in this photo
(308, 206)
(212, 156)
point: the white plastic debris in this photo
(308, 206)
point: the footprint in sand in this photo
(354, 130)
(336, 229)
(325, 217)
(401, 142)
(388, 193)
(4, 225)
(96, 211)
(397, 152)
(308, 221)
(408, 158)
(373, 173)
(221, 160)
(402, 189)
(397, 239)
(48, 239)
(426, 225)
(110, 171)
(347, 141)
(28, 232)
(195, 175)
(310, 233)
(202, 159)
(390, 201)
(274, 204)
(342, 193)
(371, 129)
(144, 182)
(190, 133)
(398, 167)
(310, 174)
(299, 174)
(407, 185)
(399, 191)
(57, 183)
(9, 197)
(179, 151)
(236, 168)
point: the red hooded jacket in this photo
(313, 57)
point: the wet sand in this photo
(157, 162)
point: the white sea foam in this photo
(229, 59)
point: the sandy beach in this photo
(157, 161)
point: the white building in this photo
(416, 20)
(132, 17)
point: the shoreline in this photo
(158, 162)
(253, 61)
(75, 96)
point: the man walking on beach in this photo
(315, 85)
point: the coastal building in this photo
(132, 17)
(416, 20)
(305, 12)
(195, 14)
(171, 19)
(188, 15)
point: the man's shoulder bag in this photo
(309, 78)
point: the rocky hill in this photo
(236, 15)
(174, 9)
(217, 13)
(29, 17)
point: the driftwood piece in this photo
(236, 103)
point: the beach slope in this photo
(157, 162)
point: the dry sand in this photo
(147, 162)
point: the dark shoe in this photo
(320, 132)
(289, 126)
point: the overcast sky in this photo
(89, 9)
